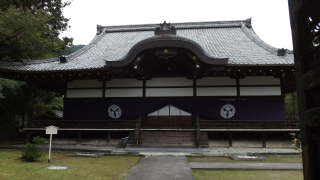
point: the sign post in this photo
(51, 130)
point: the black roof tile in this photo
(232, 39)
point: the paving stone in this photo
(167, 177)
(162, 167)
(152, 177)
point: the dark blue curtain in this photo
(98, 110)
(251, 109)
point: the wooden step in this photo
(168, 139)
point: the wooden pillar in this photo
(79, 141)
(230, 140)
(109, 138)
(143, 88)
(282, 87)
(238, 87)
(194, 88)
(65, 90)
(104, 89)
(294, 108)
(264, 142)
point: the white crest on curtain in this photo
(114, 111)
(227, 111)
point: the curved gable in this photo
(168, 41)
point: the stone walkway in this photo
(245, 166)
(162, 168)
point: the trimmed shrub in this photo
(31, 153)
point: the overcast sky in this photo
(270, 19)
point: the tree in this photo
(290, 111)
(10, 106)
(53, 7)
(30, 29)
(20, 102)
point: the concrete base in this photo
(169, 149)
(213, 143)
(224, 143)
(84, 141)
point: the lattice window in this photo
(313, 33)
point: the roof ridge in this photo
(96, 39)
(180, 24)
(176, 27)
(258, 40)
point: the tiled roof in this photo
(233, 39)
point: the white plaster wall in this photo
(259, 80)
(124, 83)
(260, 91)
(216, 91)
(176, 81)
(87, 83)
(83, 93)
(123, 92)
(168, 92)
(210, 81)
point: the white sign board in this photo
(52, 130)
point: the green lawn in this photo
(106, 167)
(247, 175)
(226, 159)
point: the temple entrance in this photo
(168, 117)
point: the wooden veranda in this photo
(168, 131)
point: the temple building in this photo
(186, 85)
